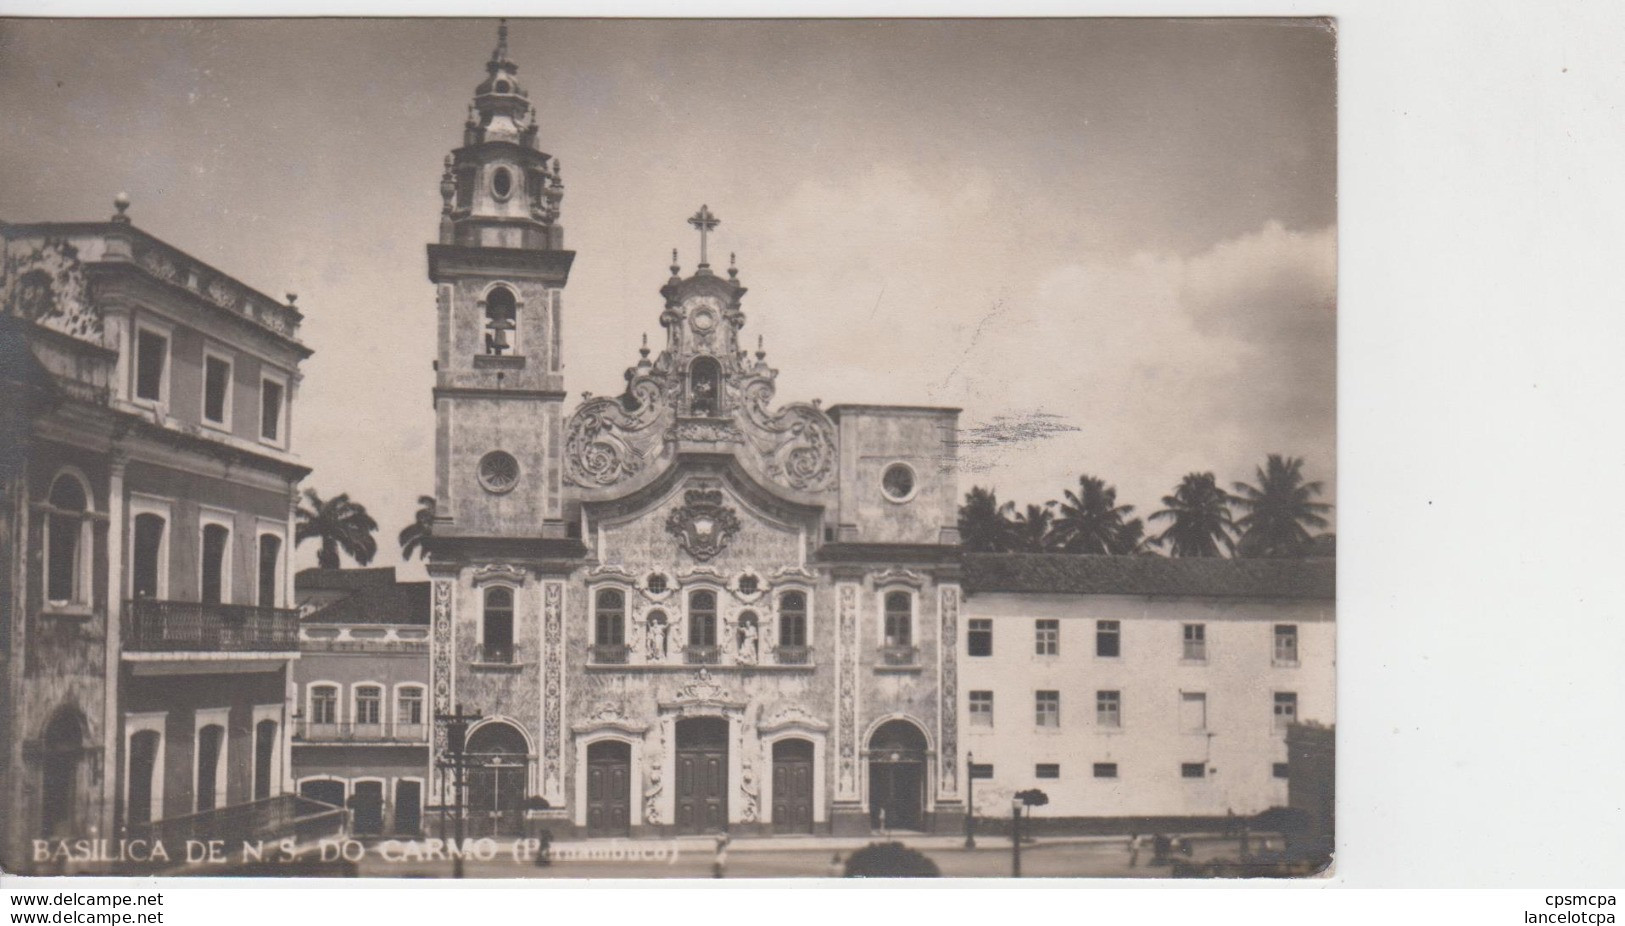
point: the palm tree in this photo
(339, 524)
(1091, 521)
(984, 524)
(413, 535)
(1201, 518)
(1032, 529)
(1278, 510)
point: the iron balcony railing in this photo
(792, 655)
(610, 654)
(696, 655)
(193, 626)
(309, 731)
(900, 655)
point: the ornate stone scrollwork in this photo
(703, 525)
(607, 443)
(796, 445)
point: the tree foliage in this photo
(1200, 515)
(340, 525)
(422, 526)
(1279, 510)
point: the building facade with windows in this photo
(682, 608)
(361, 717)
(148, 491)
(1141, 687)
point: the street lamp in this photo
(1015, 837)
(970, 800)
(456, 762)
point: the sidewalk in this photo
(813, 843)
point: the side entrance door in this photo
(609, 789)
(792, 786)
(367, 807)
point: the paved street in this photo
(1091, 858)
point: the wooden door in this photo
(367, 808)
(792, 786)
(609, 789)
(702, 775)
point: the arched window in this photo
(265, 743)
(369, 706)
(702, 619)
(63, 743)
(210, 739)
(609, 618)
(793, 619)
(497, 627)
(216, 539)
(324, 704)
(899, 619)
(270, 561)
(67, 542)
(501, 310)
(146, 556)
(704, 387)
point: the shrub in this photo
(890, 860)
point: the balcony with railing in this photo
(900, 657)
(696, 655)
(792, 655)
(308, 731)
(610, 654)
(152, 626)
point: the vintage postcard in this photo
(668, 448)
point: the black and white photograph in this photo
(541, 448)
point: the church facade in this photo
(687, 607)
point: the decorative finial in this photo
(292, 298)
(675, 267)
(761, 349)
(644, 350)
(706, 223)
(501, 54)
(733, 267)
(121, 202)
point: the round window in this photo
(501, 182)
(898, 482)
(499, 471)
(502, 87)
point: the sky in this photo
(1111, 243)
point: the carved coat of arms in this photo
(703, 525)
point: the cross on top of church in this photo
(705, 221)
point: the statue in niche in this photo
(656, 643)
(748, 635)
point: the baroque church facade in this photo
(687, 607)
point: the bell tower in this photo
(499, 269)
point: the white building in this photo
(1142, 687)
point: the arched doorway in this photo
(499, 764)
(793, 786)
(367, 808)
(326, 790)
(143, 765)
(897, 776)
(63, 755)
(702, 775)
(609, 788)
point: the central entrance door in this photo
(496, 783)
(367, 808)
(702, 775)
(792, 786)
(609, 788)
(897, 777)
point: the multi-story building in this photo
(148, 497)
(1140, 688)
(361, 697)
(679, 608)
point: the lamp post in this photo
(970, 800)
(1015, 837)
(456, 762)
